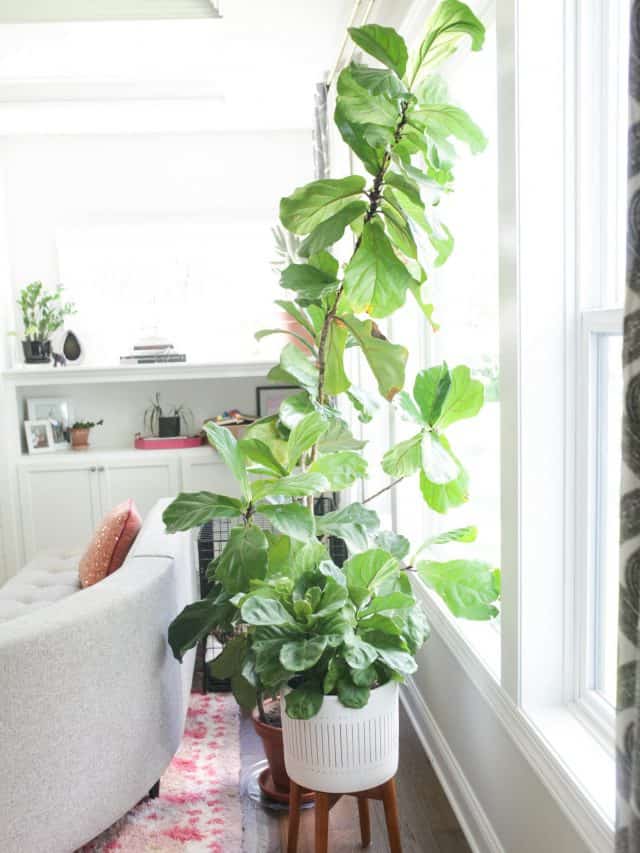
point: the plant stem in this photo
(261, 714)
(382, 491)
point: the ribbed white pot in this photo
(342, 750)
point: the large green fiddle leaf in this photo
(267, 432)
(469, 588)
(355, 136)
(293, 409)
(309, 282)
(404, 458)
(438, 465)
(296, 369)
(293, 486)
(399, 230)
(197, 620)
(396, 544)
(352, 695)
(448, 24)
(331, 230)
(375, 280)
(226, 445)
(363, 107)
(383, 43)
(292, 519)
(341, 469)
(365, 403)
(300, 655)
(335, 379)
(260, 452)
(441, 497)
(386, 360)
(318, 201)
(339, 437)
(366, 571)
(464, 400)
(430, 390)
(231, 659)
(304, 435)
(378, 81)
(243, 559)
(304, 702)
(441, 121)
(353, 523)
(260, 610)
(194, 509)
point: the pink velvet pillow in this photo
(110, 544)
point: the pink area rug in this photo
(198, 810)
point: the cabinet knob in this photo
(93, 468)
(100, 467)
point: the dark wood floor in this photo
(428, 823)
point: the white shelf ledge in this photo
(29, 375)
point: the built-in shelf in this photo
(29, 375)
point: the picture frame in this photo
(269, 398)
(39, 434)
(57, 410)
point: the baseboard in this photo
(471, 816)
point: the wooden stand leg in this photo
(322, 823)
(391, 814)
(365, 823)
(294, 817)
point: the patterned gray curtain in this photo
(320, 133)
(628, 717)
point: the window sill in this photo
(568, 758)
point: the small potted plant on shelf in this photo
(80, 433)
(166, 425)
(334, 642)
(43, 314)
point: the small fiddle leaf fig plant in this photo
(351, 252)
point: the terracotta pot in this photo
(79, 439)
(271, 737)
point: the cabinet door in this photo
(60, 506)
(144, 480)
(207, 473)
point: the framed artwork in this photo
(269, 397)
(57, 411)
(39, 436)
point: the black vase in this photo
(36, 352)
(169, 426)
(71, 348)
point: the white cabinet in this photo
(60, 504)
(64, 496)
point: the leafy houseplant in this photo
(166, 425)
(319, 635)
(80, 433)
(42, 314)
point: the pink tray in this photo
(146, 442)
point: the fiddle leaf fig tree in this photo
(352, 251)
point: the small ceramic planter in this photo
(36, 352)
(344, 750)
(80, 439)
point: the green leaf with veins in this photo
(295, 369)
(399, 230)
(300, 655)
(359, 654)
(231, 659)
(448, 24)
(399, 661)
(375, 279)
(441, 121)
(304, 702)
(438, 466)
(378, 81)
(335, 379)
(383, 43)
(442, 497)
(350, 694)
(368, 570)
(258, 610)
(464, 400)
(304, 435)
(244, 692)
(243, 559)
(266, 431)
(460, 534)
(469, 588)
(404, 458)
(196, 621)
(353, 135)
(339, 437)
(407, 406)
(430, 390)
(294, 486)
(364, 108)
(386, 360)
(193, 509)
(260, 452)
(331, 230)
(292, 519)
(382, 603)
(265, 333)
(293, 409)
(364, 403)
(341, 469)
(227, 447)
(396, 544)
(314, 203)
(308, 281)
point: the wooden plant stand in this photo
(325, 802)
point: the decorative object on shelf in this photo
(269, 398)
(71, 347)
(80, 433)
(39, 436)
(58, 359)
(153, 350)
(58, 412)
(166, 425)
(43, 313)
(154, 442)
(233, 420)
(314, 632)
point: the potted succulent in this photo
(334, 642)
(166, 424)
(43, 314)
(80, 433)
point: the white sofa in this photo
(92, 702)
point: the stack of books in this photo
(153, 351)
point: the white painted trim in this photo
(541, 740)
(472, 818)
(52, 90)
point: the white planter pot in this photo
(343, 750)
